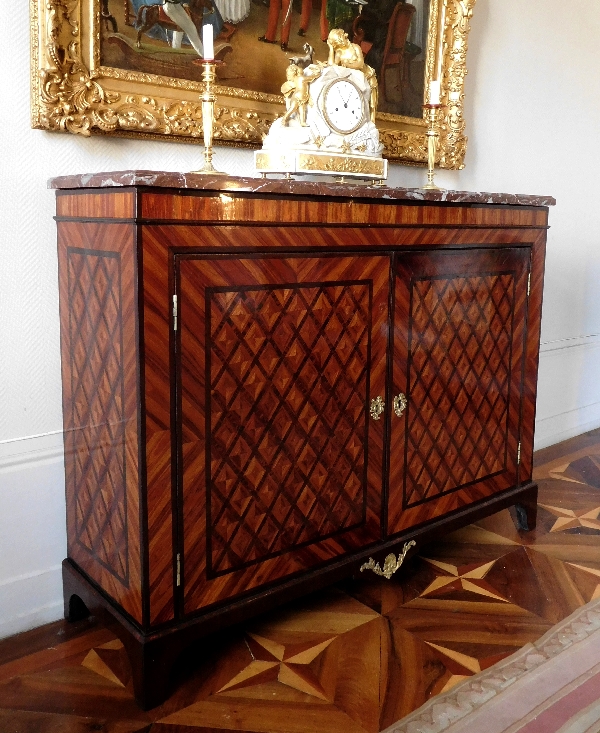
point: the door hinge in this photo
(528, 284)
(518, 454)
(178, 570)
(174, 313)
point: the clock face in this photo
(343, 106)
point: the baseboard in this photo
(555, 429)
(32, 532)
(568, 389)
(30, 600)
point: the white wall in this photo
(533, 110)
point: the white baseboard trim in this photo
(32, 619)
(556, 428)
(20, 598)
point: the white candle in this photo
(207, 41)
(434, 91)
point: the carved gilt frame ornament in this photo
(72, 92)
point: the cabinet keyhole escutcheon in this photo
(377, 408)
(399, 404)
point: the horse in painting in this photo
(150, 15)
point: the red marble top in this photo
(164, 179)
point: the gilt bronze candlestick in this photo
(208, 116)
(432, 137)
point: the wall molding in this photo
(31, 450)
(567, 424)
(589, 340)
(568, 390)
(28, 576)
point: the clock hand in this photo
(344, 100)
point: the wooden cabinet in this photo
(268, 383)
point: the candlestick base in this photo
(209, 171)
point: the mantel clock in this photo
(329, 124)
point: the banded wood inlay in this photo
(229, 207)
(288, 372)
(459, 378)
(97, 388)
(532, 353)
(105, 205)
(158, 330)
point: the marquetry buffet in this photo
(269, 385)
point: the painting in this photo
(130, 67)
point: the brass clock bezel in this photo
(334, 127)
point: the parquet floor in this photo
(354, 658)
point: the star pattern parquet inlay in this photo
(350, 659)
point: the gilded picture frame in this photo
(88, 77)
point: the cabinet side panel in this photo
(97, 270)
(532, 355)
(158, 403)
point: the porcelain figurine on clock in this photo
(329, 124)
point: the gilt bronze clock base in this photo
(317, 162)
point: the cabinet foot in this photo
(152, 656)
(151, 666)
(526, 511)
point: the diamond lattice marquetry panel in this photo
(459, 375)
(288, 380)
(97, 407)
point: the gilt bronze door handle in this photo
(377, 408)
(399, 404)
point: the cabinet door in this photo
(281, 464)
(459, 328)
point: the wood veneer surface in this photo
(458, 355)
(205, 207)
(227, 208)
(294, 348)
(354, 658)
(99, 344)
